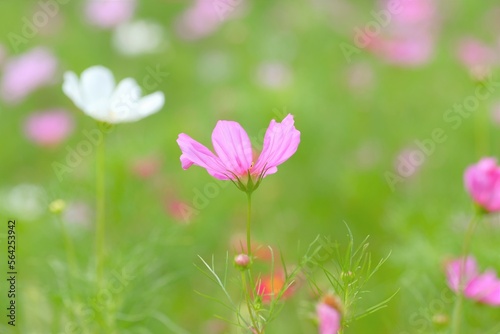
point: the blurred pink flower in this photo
(328, 316)
(146, 167)
(203, 18)
(479, 58)
(412, 12)
(178, 210)
(234, 158)
(27, 72)
(484, 288)
(109, 13)
(48, 128)
(406, 34)
(482, 181)
(410, 50)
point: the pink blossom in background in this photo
(146, 167)
(329, 318)
(482, 182)
(234, 159)
(483, 288)
(407, 34)
(200, 20)
(26, 73)
(411, 12)
(179, 210)
(477, 57)
(108, 14)
(48, 128)
(411, 50)
(274, 75)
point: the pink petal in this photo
(481, 286)
(329, 319)
(493, 297)
(280, 143)
(194, 153)
(108, 14)
(455, 269)
(26, 73)
(232, 145)
(48, 128)
(482, 181)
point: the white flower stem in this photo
(100, 210)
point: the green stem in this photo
(100, 208)
(70, 249)
(247, 297)
(249, 221)
(456, 319)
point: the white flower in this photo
(98, 96)
(138, 37)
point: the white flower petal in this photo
(124, 101)
(71, 87)
(97, 85)
(150, 104)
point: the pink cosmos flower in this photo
(108, 14)
(234, 159)
(409, 50)
(48, 128)
(482, 181)
(478, 57)
(199, 21)
(412, 12)
(484, 288)
(27, 72)
(329, 318)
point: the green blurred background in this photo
(355, 118)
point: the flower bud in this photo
(242, 261)
(57, 206)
